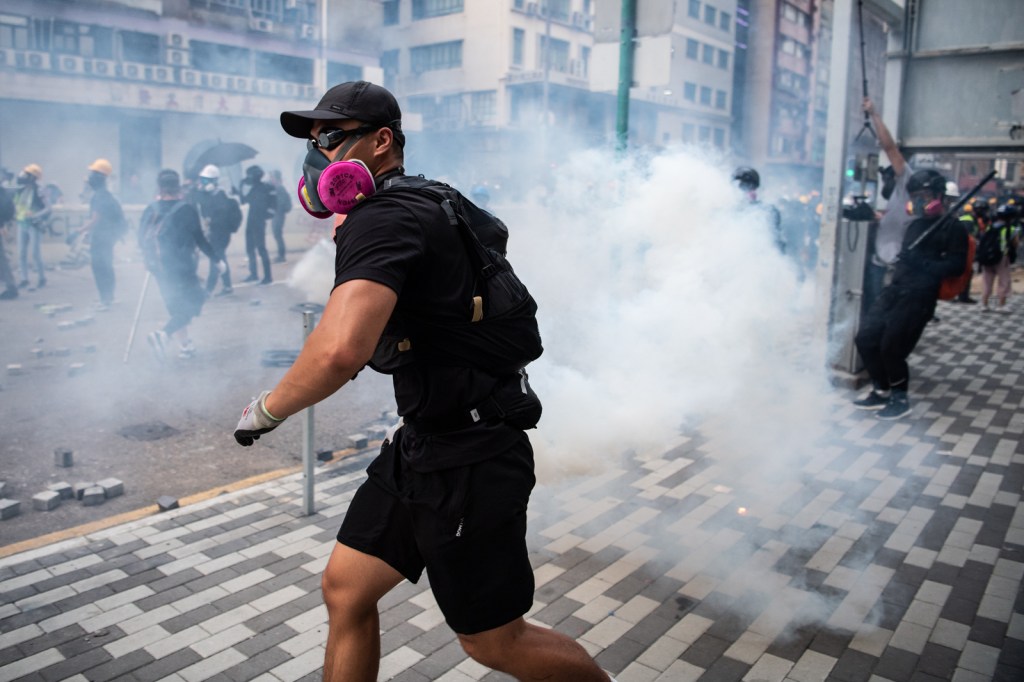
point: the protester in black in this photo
(6, 216)
(221, 218)
(283, 204)
(169, 234)
(895, 321)
(106, 225)
(450, 500)
(261, 199)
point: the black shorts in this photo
(466, 526)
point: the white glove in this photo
(255, 421)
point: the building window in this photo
(518, 4)
(425, 9)
(798, 17)
(720, 138)
(518, 45)
(692, 48)
(285, 67)
(690, 92)
(705, 95)
(483, 106)
(558, 59)
(223, 58)
(720, 98)
(389, 65)
(725, 21)
(14, 32)
(723, 59)
(694, 9)
(709, 55)
(704, 133)
(390, 8)
(560, 9)
(338, 72)
(145, 48)
(710, 15)
(436, 57)
(687, 132)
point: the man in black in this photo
(260, 197)
(283, 204)
(169, 234)
(451, 500)
(895, 321)
(221, 217)
(6, 216)
(106, 225)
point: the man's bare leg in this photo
(528, 652)
(352, 584)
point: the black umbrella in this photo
(216, 153)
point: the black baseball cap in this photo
(357, 100)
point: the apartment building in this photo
(140, 81)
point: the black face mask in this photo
(24, 179)
(96, 180)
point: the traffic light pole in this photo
(627, 39)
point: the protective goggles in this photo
(329, 139)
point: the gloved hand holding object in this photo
(255, 421)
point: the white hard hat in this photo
(952, 190)
(210, 172)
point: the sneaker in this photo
(226, 291)
(968, 300)
(158, 342)
(265, 281)
(1003, 310)
(251, 278)
(898, 406)
(872, 401)
(188, 350)
(8, 294)
(23, 284)
(985, 308)
(42, 283)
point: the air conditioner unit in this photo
(107, 68)
(264, 25)
(308, 91)
(70, 63)
(531, 8)
(240, 84)
(291, 4)
(577, 19)
(160, 74)
(32, 60)
(175, 57)
(307, 31)
(132, 70)
(7, 57)
(216, 81)
(178, 41)
(289, 89)
(189, 77)
(263, 86)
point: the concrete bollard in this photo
(63, 489)
(46, 501)
(358, 440)
(167, 503)
(9, 508)
(112, 487)
(81, 487)
(63, 457)
(93, 496)
(324, 455)
(3, 484)
(14, 369)
(37, 353)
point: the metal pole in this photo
(135, 320)
(308, 506)
(626, 44)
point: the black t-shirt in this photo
(111, 223)
(942, 253)
(403, 240)
(179, 235)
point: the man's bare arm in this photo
(340, 345)
(885, 138)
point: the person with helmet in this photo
(888, 237)
(31, 213)
(261, 200)
(749, 180)
(996, 270)
(893, 325)
(282, 205)
(972, 224)
(169, 234)
(105, 227)
(221, 217)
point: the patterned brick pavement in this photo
(895, 553)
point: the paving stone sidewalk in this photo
(896, 554)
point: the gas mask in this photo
(23, 179)
(207, 184)
(333, 187)
(95, 180)
(924, 207)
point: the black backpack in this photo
(150, 229)
(6, 207)
(501, 335)
(989, 251)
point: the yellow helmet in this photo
(33, 169)
(101, 166)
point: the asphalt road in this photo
(74, 390)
